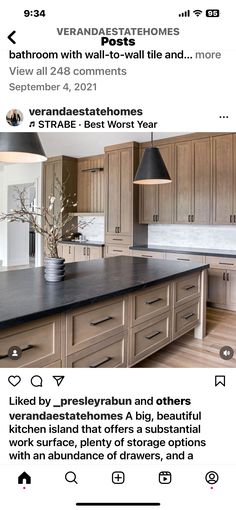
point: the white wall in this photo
(193, 236)
(15, 175)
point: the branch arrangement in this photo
(53, 221)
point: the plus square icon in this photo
(118, 477)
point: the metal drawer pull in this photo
(95, 323)
(27, 348)
(153, 301)
(231, 218)
(227, 277)
(178, 258)
(119, 251)
(226, 263)
(147, 256)
(118, 239)
(149, 337)
(100, 363)
(189, 316)
(224, 276)
(189, 288)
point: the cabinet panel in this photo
(95, 252)
(231, 290)
(183, 181)
(217, 286)
(185, 257)
(112, 191)
(165, 191)
(149, 337)
(80, 253)
(148, 254)
(116, 250)
(148, 203)
(126, 192)
(202, 179)
(222, 179)
(90, 189)
(69, 253)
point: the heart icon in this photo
(14, 380)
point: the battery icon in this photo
(212, 13)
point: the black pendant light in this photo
(152, 169)
(21, 148)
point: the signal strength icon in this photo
(184, 14)
(197, 12)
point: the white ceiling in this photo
(89, 144)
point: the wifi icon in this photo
(197, 12)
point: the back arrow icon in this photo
(10, 37)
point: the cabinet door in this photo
(231, 290)
(165, 191)
(202, 179)
(80, 253)
(222, 179)
(183, 181)
(126, 192)
(112, 191)
(217, 286)
(69, 252)
(94, 252)
(148, 196)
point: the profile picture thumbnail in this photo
(14, 117)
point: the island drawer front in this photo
(40, 341)
(148, 254)
(110, 353)
(83, 325)
(185, 257)
(146, 304)
(149, 337)
(221, 263)
(186, 318)
(186, 288)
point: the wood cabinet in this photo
(78, 253)
(222, 282)
(64, 170)
(113, 250)
(184, 257)
(193, 178)
(121, 218)
(224, 183)
(91, 185)
(156, 202)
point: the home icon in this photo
(24, 478)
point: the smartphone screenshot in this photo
(117, 251)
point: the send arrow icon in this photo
(10, 37)
(58, 379)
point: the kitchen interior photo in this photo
(148, 241)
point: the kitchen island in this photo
(106, 313)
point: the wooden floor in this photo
(188, 352)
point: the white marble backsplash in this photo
(95, 230)
(194, 236)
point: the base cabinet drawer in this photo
(148, 254)
(186, 317)
(148, 338)
(84, 325)
(185, 257)
(147, 304)
(186, 288)
(111, 353)
(221, 262)
(39, 340)
(57, 364)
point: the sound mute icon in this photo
(184, 14)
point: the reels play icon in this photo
(165, 477)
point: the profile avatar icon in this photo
(14, 117)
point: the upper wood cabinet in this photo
(224, 183)
(90, 188)
(193, 178)
(63, 169)
(122, 195)
(156, 202)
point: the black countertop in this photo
(194, 251)
(84, 243)
(24, 294)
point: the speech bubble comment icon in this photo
(36, 381)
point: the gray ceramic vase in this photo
(54, 269)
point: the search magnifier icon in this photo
(70, 477)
